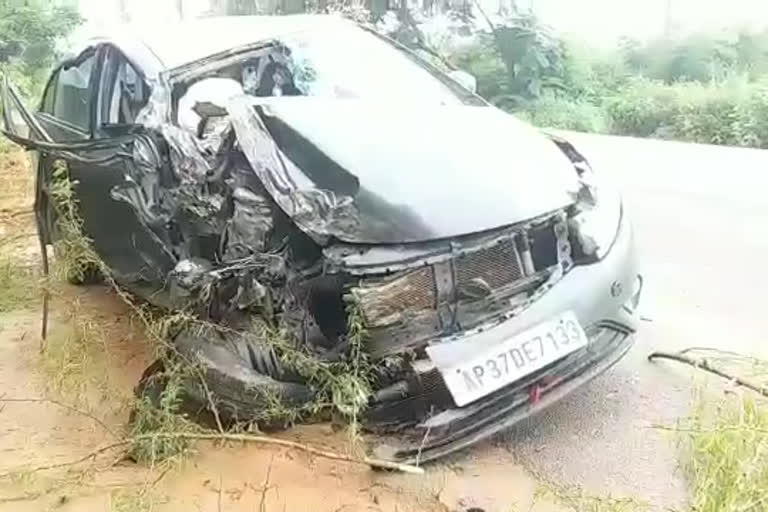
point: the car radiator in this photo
(406, 309)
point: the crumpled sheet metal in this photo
(187, 153)
(319, 213)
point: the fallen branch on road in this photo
(245, 438)
(703, 364)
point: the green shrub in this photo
(30, 30)
(592, 75)
(642, 109)
(483, 61)
(552, 111)
(734, 112)
(520, 59)
(701, 57)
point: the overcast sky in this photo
(607, 19)
(593, 20)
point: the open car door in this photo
(19, 125)
(99, 169)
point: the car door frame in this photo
(84, 150)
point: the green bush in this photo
(521, 60)
(698, 57)
(30, 30)
(734, 112)
(553, 111)
(642, 109)
(590, 74)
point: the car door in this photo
(76, 124)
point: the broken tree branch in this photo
(327, 454)
(58, 404)
(703, 364)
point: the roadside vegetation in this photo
(708, 88)
(18, 285)
(727, 455)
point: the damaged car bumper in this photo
(602, 296)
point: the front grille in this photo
(497, 266)
(419, 290)
(384, 303)
(466, 290)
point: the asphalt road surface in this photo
(701, 221)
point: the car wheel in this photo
(218, 370)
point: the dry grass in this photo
(19, 286)
(142, 499)
(727, 453)
(18, 180)
(18, 282)
(73, 359)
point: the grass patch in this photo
(727, 444)
(143, 499)
(74, 358)
(19, 287)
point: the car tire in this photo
(240, 393)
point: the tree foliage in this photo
(698, 57)
(30, 29)
(516, 62)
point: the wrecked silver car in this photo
(281, 168)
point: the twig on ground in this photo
(59, 404)
(704, 365)
(58, 465)
(369, 461)
(265, 486)
(221, 491)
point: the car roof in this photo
(176, 44)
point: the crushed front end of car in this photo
(436, 303)
(491, 268)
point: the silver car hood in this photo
(385, 173)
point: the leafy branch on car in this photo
(158, 431)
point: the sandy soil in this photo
(217, 477)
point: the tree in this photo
(30, 29)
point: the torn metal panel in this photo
(394, 192)
(320, 212)
(359, 259)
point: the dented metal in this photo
(444, 224)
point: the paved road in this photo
(701, 220)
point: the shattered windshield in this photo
(348, 62)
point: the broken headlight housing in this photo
(598, 214)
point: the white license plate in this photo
(520, 355)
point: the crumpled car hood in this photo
(383, 173)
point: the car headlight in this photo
(599, 211)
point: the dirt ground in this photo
(97, 378)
